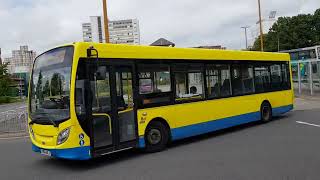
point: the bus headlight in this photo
(32, 133)
(63, 136)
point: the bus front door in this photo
(113, 113)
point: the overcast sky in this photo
(43, 24)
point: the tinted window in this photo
(218, 81)
(285, 76)
(237, 85)
(275, 70)
(262, 78)
(247, 79)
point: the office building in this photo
(20, 65)
(120, 31)
(21, 60)
(124, 31)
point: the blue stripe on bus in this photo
(202, 128)
(280, 110)
(78, 153)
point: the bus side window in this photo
(189, 82)
(285, 76)
(275, 70)
(213, 82)
(218, 81)
(262, 78)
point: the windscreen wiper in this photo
(39, 118)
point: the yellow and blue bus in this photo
(90, 99)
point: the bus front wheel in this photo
(266, 112)
(156, 137)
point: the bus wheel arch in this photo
(155, 128)
(266, 111)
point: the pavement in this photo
(285, 149)
(12, 106)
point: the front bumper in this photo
(79, 153)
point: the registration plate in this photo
(45, 152)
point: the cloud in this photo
(43, 24)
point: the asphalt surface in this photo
(282, 149)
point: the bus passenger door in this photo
(125, 105)
(113, 124)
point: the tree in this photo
(292, 32)
(5, 80)
(56, 84)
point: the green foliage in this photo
(56, 84)
(294, 32)
(4, 99)
(5, 80)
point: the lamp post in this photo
(106, 23)
(261, 30)
(245, 33)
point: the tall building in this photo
(121, 31)
(21, 60)
(124, 31)
(20, 67)
(87, 32)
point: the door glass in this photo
(101, 108)
(125, 105)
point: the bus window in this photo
(154, 78)
(275, 76)
(218, 81)
(247, 79)
(189, 84)
(236, 80)
(262, 78)
(100, 88)
(225, 81)
(285, 76)
(213, 82)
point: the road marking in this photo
(305, 123)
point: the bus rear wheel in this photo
(266, 112)
(156, 137)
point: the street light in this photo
(245, 33)
(106, 23)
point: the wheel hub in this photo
(154, 136)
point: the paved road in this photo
(282, 149)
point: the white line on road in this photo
(305, 123)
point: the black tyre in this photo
(266, 112)
(156, 137)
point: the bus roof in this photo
(122, 51)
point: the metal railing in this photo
(14, 123)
